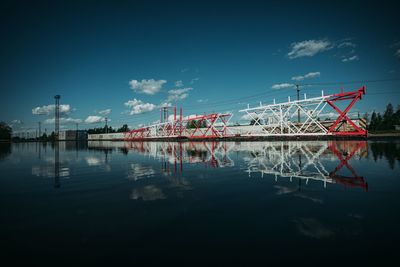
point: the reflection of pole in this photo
(76, 132)
(56, 165)
(300, 171)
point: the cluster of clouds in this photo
(65, 110)
(152, 87)
(298, 78)
(138, 106)
(306, 76)
(309, 48)
(149, 87)
(50, 109)
(178, 94)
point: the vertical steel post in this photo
(298, 98)
(57, 117)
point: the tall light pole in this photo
(40, 129)
(106, 125)
(298, 98)
(57, 117)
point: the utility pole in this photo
(106, 125)
(76, 132)
(40, 129)
(298, 98)
(57, 117)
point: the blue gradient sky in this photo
(88, 52)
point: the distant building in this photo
(70, 135)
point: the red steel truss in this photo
(213, 125)
(354, 97)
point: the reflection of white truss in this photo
(278, 118)
(287, 159)
(290, 160)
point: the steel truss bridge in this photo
(280, 118)
(292, 118)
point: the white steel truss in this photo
(280, 119)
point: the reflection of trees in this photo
(389, 150)
(5, 150)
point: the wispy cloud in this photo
(138, 106)
(149, 87)
(346, 44)
(16, 122)
(352, 58)
(94, 119)
(63, 120)
(192, 81)
(306, 76)
(105, 112)
(201, 100)
(179, 83)
(178, 94)
(50, 109)
(308, 48)
(282, 86)
(397, 54)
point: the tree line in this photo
(386, 121)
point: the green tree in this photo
(123, 129)
(5, 131)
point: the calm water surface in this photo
(202, 202)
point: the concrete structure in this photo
(72, 135)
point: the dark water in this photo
(200, 203)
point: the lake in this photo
(200, 202)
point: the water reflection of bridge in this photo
(303, 160)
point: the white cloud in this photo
(50, 109)
(282, 86)
(352, 58)
(308, 48)
(184, 70)
(179, 83)
(16, 122)
(178, 94)
(149, 87)
(201, 100)
(306, 76)
(94, 119)
(194, 80)
(105, 112)
(398, 52)
(346, 44)
(137, 106)
(63, 120)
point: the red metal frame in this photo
(354, 97)
(210, 130)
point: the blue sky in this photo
(122, 60)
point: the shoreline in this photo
(370, 137)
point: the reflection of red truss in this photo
(344, 156)
(354, 97)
